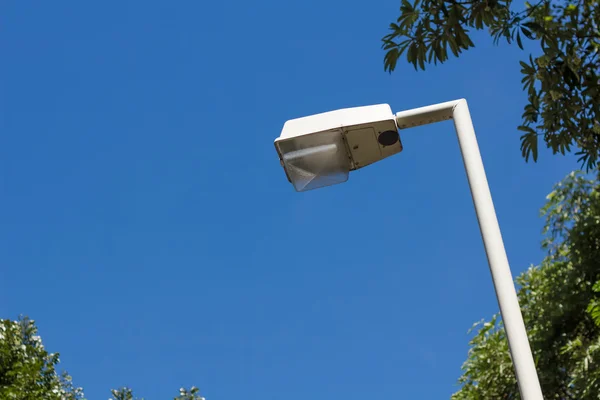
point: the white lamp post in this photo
(321, 149)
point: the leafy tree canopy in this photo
(560, 300)
(561, 81)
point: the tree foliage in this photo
(28, 371)
(561, 81)
(560, 300)
(184, 394)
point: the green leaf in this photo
(390, 60)
(421, 57)
(529, 143)
(534, 26)
(527, 33)
(453, 46)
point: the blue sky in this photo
(147, 226)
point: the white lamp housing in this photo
(320, 150)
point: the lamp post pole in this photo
(514, 325)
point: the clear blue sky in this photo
(147, 226)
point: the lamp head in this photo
(320, 150)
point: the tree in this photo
(561, 82)
(184, 394)
(560, 300)
(28, 371)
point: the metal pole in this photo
(520, 351)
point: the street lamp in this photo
(320, 150)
